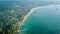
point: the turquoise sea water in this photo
(42, 21)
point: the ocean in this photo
(42, 20)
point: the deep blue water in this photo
(42, 21)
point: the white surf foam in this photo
(32, 10)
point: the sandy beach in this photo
(32, 10)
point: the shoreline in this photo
(32, 10)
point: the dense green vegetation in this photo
(10, 16)
(12, 13)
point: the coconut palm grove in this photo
(29, 16)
